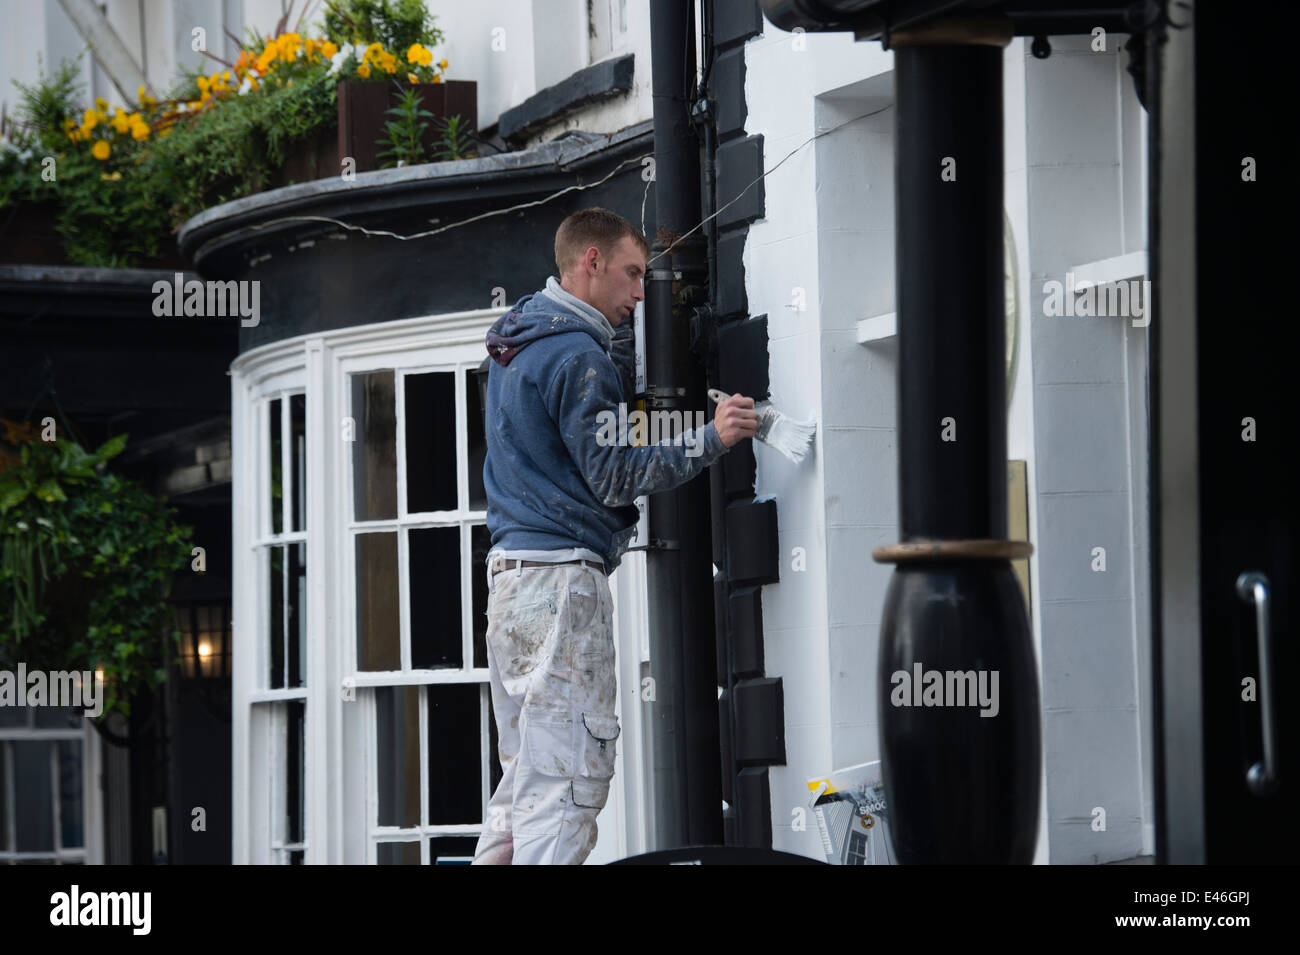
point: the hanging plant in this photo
(86, 564)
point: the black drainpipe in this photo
(683, 715)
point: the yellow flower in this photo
(203, 84)
(442, 64)
(140, 130)
(437, 78)
(110, 176)
(328, 49)
(88, 120)
(120, 121)
(101, 105)
(415, 54)
(412, 78)
(363, 71)
(100, 150)
(388, 62)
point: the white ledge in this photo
(878, 328)
(1103, 271)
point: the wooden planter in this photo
(28, 236)
(362, 115)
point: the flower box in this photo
(363, 115)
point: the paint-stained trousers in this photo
(550, 643)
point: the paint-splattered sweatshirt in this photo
(553, 478)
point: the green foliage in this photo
(236, 149)
(106, 218)
(405, 132)
(32, 134)
(45, 103)
(86, 561)
(120, 181)
(457, 141)
(395, 23)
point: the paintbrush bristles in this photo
(791, 438)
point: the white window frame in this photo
(339, 733)
(92, 807)
(460, 361)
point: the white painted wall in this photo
(621, 111)
(1074, 192)
(490, 42)
(1089, 437)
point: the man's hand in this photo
(735, 420)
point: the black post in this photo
(684, 711)
(958, 686)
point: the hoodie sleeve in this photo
(622, 349)
(586, 392)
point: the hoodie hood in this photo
(537, 316)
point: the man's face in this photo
(616, 287)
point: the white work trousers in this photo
(550, 644)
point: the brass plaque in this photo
(1018, 519)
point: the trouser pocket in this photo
(591, 783)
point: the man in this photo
(561, 513)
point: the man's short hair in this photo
(588, 227)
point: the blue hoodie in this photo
(551, 484)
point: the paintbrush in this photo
(791, 438)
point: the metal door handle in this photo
(1262, 778)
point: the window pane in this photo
(294, 770)
(398, 853)
(70, 807)
(33, 796)
(275, 620)
(60, 717)
(455, 754)
(397, 745)
(431, 442)
(444, 849)
(297, 648)
(476, 443)
(480, 541)
(435, 597)
(277, 479)
(378, 615)
(298, 455)
(13, 715)
(374, 446)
